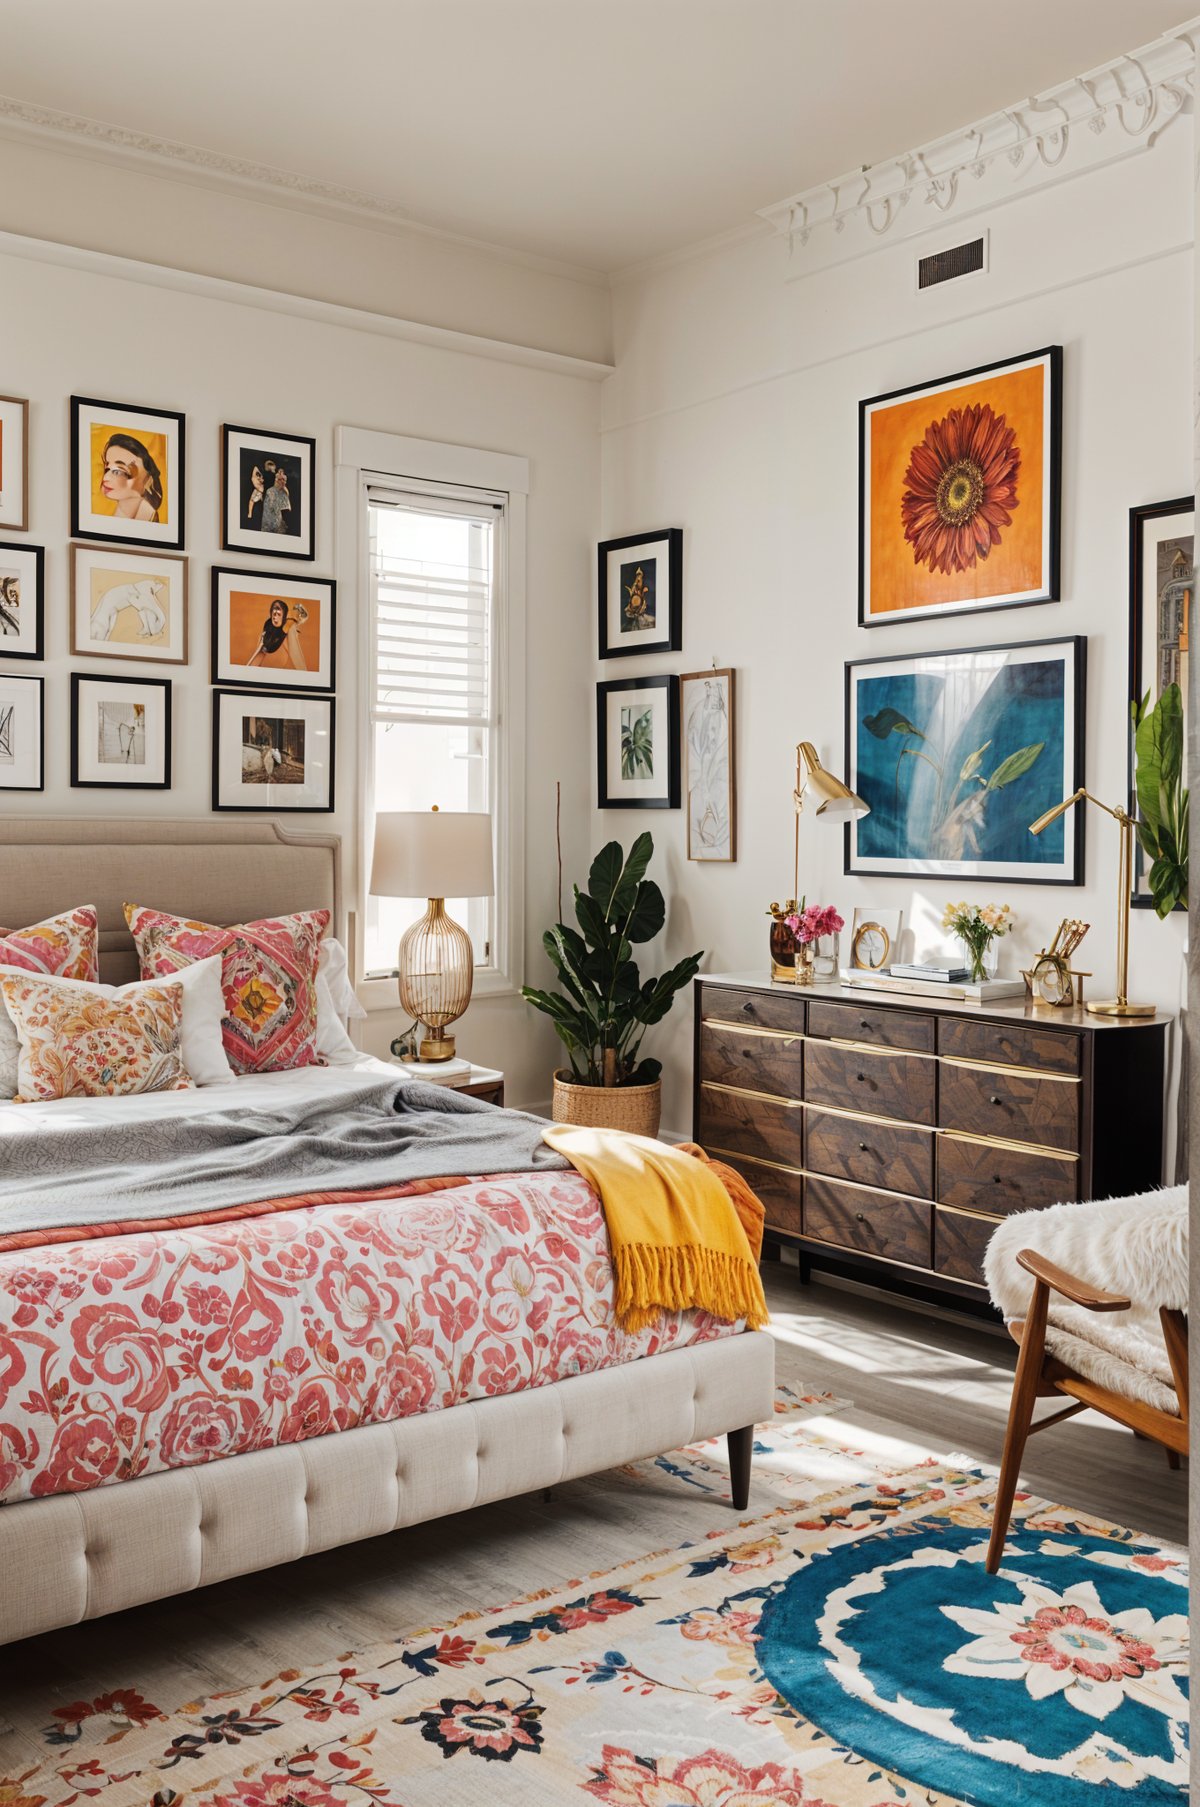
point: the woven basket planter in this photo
(633, 1107)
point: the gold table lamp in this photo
(1120, 1005)
(435, 854)
(838, 803)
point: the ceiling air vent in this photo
(968, 259)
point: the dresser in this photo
(888, 1135)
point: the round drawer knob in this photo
(859, 1217)
(997, 1179)
(748, 1007)
(862, 1148)
(996, 1099)
(861, 1077)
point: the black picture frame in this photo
(273, 546)
(1141, 679)
(9, 678)
(282, 699)
(119, 681)
(1075, 830)
(271, 677)
(38, 555)
(1052, 454)
(671, 796)
(108, 533)
(644, 643)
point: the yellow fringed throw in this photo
(678, 1243)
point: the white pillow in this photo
(333, 967)
(333, 1044)
(201, 1044)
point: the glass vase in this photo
(783, 951)
(806, 961)
(827, 957)
(982, 962)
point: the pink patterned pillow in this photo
(62, 947)
(82, 1044)
(268, 975)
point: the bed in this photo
(181, 1403)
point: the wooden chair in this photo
(1040, 1375)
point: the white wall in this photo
(733, 413)
(65, 331)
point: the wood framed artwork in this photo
(22, 600)
(640, 594)
(707, 707)
(273, 628)
(958, 752)
(127, 473)
(637, 743)
(129, 605)
(1162, 554)
(14, 463)
(120, 733)
(22, 733)
(959, 492)
(272, 751)
(268, 483)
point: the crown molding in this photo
(98, 138)
(1116, 111)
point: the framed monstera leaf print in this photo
(959, 492)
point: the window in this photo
(436, 563)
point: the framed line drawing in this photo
(129, 605)
(707, 706)
(640, 593)
(22, 733)
(637, 743)
(127, 473)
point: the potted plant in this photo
(604, 1007)
(1162, 796)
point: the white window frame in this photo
(363, 457)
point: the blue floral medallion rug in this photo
(844, 1648)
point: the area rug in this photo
(847, 1650)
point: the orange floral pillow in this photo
(81, 1044)
(62, 947)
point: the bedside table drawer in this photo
(894, 1156)
(881, 1028)
(995, 1178)
(871, 1222)
(754, 1060)
(750, 1123)
(1020, 1106)
(861, 1079)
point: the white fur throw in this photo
(1137, 1246)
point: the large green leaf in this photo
(1158, 745)
(605, 876)
(613, 882)
(889, 721)
(971, 766)
(657, 994)
(647, 913)
(591, 920)
(1015, 766)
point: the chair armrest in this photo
(1079, 1292)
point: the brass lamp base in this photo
(437, 1045)
(436, 966)
(1120, 1007)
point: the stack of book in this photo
(933, 979)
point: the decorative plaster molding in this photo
(1112, 112)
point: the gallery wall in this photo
(733, 414)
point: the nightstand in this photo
(478, 1082)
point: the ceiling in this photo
(595, 132)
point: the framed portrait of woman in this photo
(272, 628)
(127, 473)
(267, 492)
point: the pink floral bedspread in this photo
(135, 1353)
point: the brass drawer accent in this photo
(772, 1035)
(745, 1091)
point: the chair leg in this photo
(1172, 1458)
(741, 1449)
(1020, 1416)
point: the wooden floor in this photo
(942, 1386)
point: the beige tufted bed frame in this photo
(76, 1556)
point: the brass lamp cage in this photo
(437, 967)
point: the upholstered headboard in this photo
(219, 871)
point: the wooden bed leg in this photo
(1020, 1416)
(741, 1449)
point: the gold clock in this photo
(872, 946)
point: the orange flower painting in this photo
(960, 492)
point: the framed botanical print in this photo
(22, 600)
(127, 473)
(129, 605)
(267, 492)
(637, 743)
(706, 701)
(959, 492)
(273, 628)
(120, 733)
(956, 753)
(1162, 556)
(22, 733)
(640, 594)
(14, 463)
(272, 751)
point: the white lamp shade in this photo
(432, 853)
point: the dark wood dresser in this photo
(887, 1135)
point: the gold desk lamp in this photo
(434, 854)
(1120, 1005)
(837, 803)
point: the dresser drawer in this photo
(1053, 1050)
(860, 1079)
(758, 1009)
(749, 1123)
(959, 1241)
(777, 1187)
(872, 1222)
(892, 1155)
(881, 1028)
(1023, 1107)
(992, 1177)
(756, 1060)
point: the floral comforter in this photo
(130, 1354)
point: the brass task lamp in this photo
(1120, 1005)
(837, 803)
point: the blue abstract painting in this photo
(957, 753)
